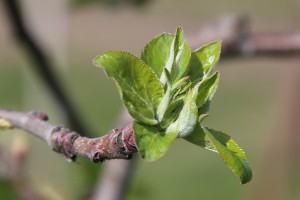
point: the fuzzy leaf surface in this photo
(187, 118)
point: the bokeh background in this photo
(254, 103)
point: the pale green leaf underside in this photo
(152, 144)
(187, 118)
(157, 52)
(139, 87)
(179, 56)
(231, 153)
(203, 60)
(182, 55)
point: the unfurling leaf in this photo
(187, 119)
(207, 89)
(139, 87)
(203, 60)
(178, 58)
(172, 112)
(152, 143)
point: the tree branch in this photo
(238, 39)
(117, 144)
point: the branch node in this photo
(40, 115)
(62, 140)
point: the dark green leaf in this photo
(199, 138)
(221, 143)
(152, 144)
(207, 89)
(139, 87)
(204, 109)
(231, 153)
(203, 60)
(157, 52)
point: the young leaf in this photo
(203, 60)
(157, 52)
(199, 138)
(179, 57)
(204, 109)
(187, 119)
(207, 89)
(152, 144)
(162, 108)
(231, 153)
(139, 87)
(172, 112)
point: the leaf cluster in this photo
(168, 91)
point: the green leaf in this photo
(152, 143)
(162, 108)
(207, 89)
(203, 60)
(179, 57)
(157, 52)
(231, 153)
(172, 112)
(139, 87)
(199, 138)
(187, 119)
(204, 109)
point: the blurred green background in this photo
(248, 105)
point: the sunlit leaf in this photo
(203, 60)
(157, 52)
(178, 58)
(139, 87)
